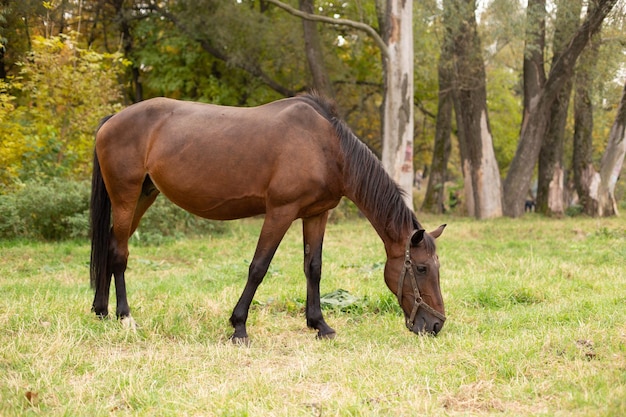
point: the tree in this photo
(605, 203)
(435, 191)
(314, 53)
(63, 92)
(398, 109)
(535, 124)
(551, 171)
(18, 23)
(584, 172)
(480, 170)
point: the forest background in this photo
(65, 64)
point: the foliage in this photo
(165, 221)
(62, 91)
(505, 114)
(67, 77)
(12, 142)
(345, 210)
(54, 210)
(58, 209)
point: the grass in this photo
(536, 326)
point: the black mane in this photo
(364, 173)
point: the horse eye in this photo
(421, 269)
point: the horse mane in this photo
(365, 175)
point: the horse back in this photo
(226, 162)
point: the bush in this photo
(346, 210)
(54, 210)
(59, 209)
(165, 220)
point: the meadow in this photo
(536, 326)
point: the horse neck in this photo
(393, 236)
(368, 185)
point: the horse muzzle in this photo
(425, 323)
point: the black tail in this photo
(100, 218)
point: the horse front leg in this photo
(272, 232)
(313, 233)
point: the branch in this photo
(249, 67)
(342, 22)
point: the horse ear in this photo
(417, 237)
(438, 231)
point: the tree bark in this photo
(435, 192)
(611, 164)
(483, 198)
(398, 113)
(535, 125)
(534, 72)
(585, 175)
(136, 95)
(314, 54)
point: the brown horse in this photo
(289, 159)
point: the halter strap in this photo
(408, 267)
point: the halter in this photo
(409, 267)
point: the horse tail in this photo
(100, 221)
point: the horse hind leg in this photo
(126, 220)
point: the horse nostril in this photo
(436, 327)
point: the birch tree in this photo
(483, 198)
(398, 113)
(396, 46)
(603, 188)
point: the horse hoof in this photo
(129, 323)
(326, 336)
(240, 341)
(101, 314)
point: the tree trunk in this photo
(585, 175)
(397, 154)
(3, 71)
(435, 192)
(534, 71)
(550, 177)
(550, 181)
(314, 55)
(136, 94)
(611, 164)
(482, 176)
(535, 125)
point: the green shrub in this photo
(54, 210)
(59, 209)
(164, 220)
(345, 210)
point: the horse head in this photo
(414, 278)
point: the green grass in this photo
(536, 326)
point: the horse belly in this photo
(212, 197)
(226, 209)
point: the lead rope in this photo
(408, 267)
